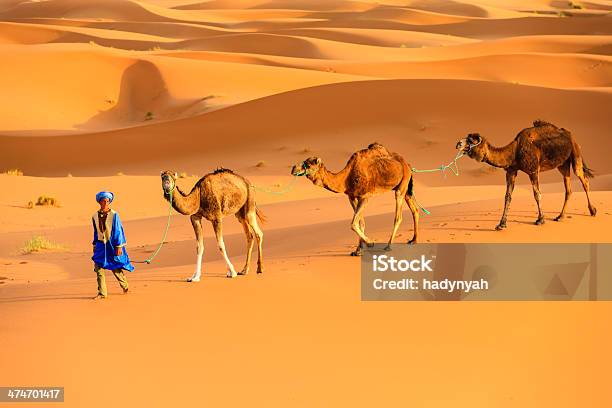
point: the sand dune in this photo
(104, 94)
(570, 70)
(415, 114)
(126, 87)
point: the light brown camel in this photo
(368, 172)
(214, 196)
(539, 148)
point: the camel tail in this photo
(260, 215)
(577, 159)
(410, 191)
(587, 171)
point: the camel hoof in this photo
(370, 244)
(539, 221)
(387, 248)
(356, 253)
(192, 279)
(593, 211)
(412, 241)
(559, 218)
(500, 227)
(231, 274)
(243, 272)
(259, 271)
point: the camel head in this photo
(168, 181)
(474, 146)
(309, 168)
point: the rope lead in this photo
(453, 166)
(148, 260)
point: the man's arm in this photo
(95, 235)
(117, 235)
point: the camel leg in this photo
(196, 222)
(565, 171)
(510, 179)
(217, 226)
(399, 201)
(355, 224)
(535, 183)
(585, 184)
(357, 251)
(249, 236)
(252, 220)
(415, 217)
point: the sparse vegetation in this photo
(39, 243)
(120, 173)
(14, 172)
(182, 175)
(149, 116)
(47, 201)
(261, 163)
(575, 5)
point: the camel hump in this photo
(377, 149)
(542, 123)
(220, 170)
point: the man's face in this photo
(104, 204)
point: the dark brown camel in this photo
(539, 148)
(368, 172)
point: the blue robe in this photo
(105, 244)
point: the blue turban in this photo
(105, 194)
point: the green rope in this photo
(282, 191)
(148, 260)
(285, 189)
(453, 166)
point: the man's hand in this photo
(118, 251)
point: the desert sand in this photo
(105, 94)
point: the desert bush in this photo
(47, 201)
(149, 116)
(14, 172)
(260, 163)
(38, 243)
(575, 5)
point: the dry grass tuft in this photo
(38, 243)
(47, 201)
(14, 172)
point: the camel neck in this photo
(335, 182)
(500, 156)
(185, 204)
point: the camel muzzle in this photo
(299, 170)
(168, 185)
